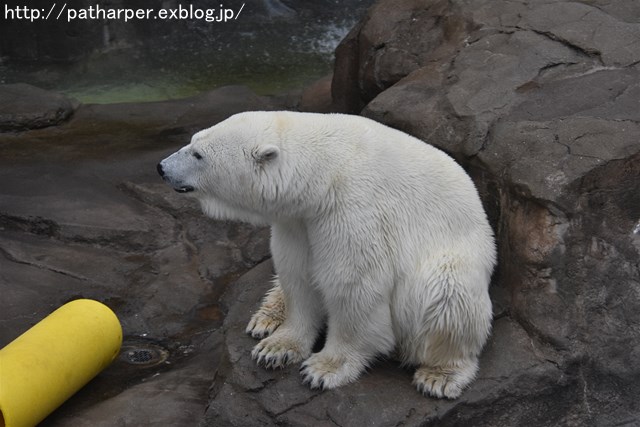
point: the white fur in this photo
(374, 232)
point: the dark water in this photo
(272, 50)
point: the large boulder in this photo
(541, 102)
(25, 107)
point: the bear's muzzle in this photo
(180, 189)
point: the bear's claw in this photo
(445, 381)
(261, 326)
(313, 382)
(277, 352)
(326, 372)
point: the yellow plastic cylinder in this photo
(46, 365)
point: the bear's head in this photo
(245, 168)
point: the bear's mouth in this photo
(184, 189)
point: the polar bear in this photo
(376, 234)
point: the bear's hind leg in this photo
(446, 336)
(270, 315)
(445, 381)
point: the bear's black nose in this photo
(160, 171)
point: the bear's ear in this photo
(265, 153)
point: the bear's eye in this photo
(197, 155)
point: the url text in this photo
(98, 12)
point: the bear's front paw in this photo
(278, 351)
(262, 325)
(270, 315)
(326, 371)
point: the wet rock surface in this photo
(84, 214)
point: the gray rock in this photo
(24, 107)
(245, 394)
(394, 39)
(317, 97)
(587, 29)
(171, 395)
